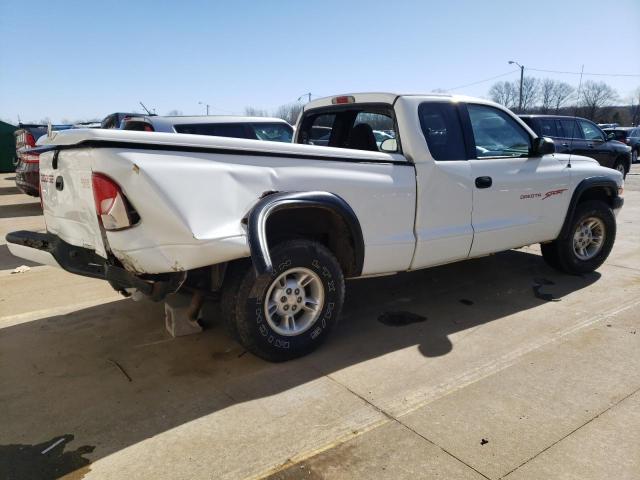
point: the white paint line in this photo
(53, 445)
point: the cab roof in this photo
(383, 97)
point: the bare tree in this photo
(504, 93)
(594, 96)
(634, 107)
(547, 87)
(530, 92)
(289, 112)
(255, 112)
(562, 92)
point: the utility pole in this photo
(205, 104)
(511, 62)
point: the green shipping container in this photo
(7, 147)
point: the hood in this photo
(565, 157)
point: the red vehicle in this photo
(28, 163)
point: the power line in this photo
(482, 81)
(585, 73)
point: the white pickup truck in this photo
(273, 229)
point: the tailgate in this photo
(67, 198)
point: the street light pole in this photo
(205, 104)
(511, 62)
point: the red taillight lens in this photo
(27, 157)
(343, 99)
(29, 140)
(111, 205)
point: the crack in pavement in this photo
(572, 432)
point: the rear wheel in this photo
(592, 233)
(289, 313)
(634, 156)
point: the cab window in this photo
(358, 127)
(441, 129)
(496, 134)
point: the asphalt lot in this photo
(495, 383)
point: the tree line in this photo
(596, 101)
(288, 112)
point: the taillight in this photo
(27, 157)
(29, 140)
(343, 99)
(111, 205)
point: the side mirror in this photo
(390, 145)
(611, 136)
(543, 146)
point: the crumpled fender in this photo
(259, 214)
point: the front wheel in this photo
(592, 233)
(289, 313)
(634, 156)
(619, 166)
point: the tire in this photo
(634, 156)
(619, 166)
(569, 259)
(550, 255)
(254, 307)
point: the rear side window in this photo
(569, 128)
(547, 127)
(235, 130)
(442, 131)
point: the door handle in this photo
(590, 145)
(566, 145)
(484, 182)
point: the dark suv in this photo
(628, 135)
(582, 137)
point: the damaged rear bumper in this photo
(49, 249)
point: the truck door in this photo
(518, 198)
(444, 186)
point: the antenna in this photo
(145, 109)
(575, 121)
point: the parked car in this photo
(273, 229)
(254, 128)
(580, 136)
(114, 120)
(629, 136)
(27, 169)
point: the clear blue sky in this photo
(85, 59)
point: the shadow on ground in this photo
(9, 191)
(20, 210)
(8, 261)
(62, 374)
(44, 461)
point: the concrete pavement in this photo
(496, 383)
